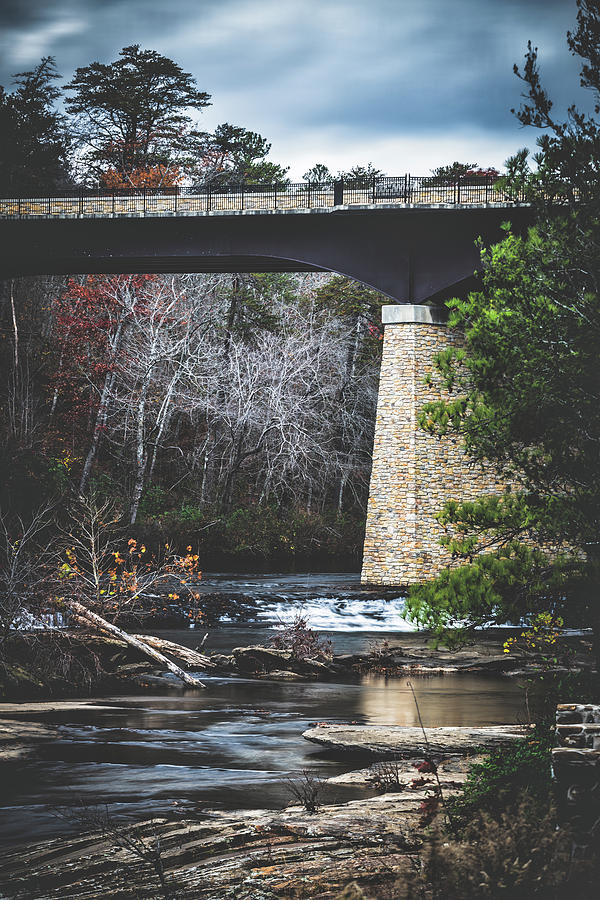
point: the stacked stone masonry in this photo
(576, 770)
(414, 473)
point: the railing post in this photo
(373, 194)
(458, 184)
(19, 205)
(113, 204)
(487, 188)
(242, 206)
(208, 198)
(81, 202)
(176, 196)
(144, 201)
(338, 192)
(275, 194)
(309, 198)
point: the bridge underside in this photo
(411, 254)
(167, 264)
(414, 255)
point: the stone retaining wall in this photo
(576, 770)
(414, 472)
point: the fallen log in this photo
(191, 657)
(93, 618)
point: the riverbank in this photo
(251, 854)
(77, 663)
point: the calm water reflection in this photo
(230, 746)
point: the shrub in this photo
(303, 642)
(306, 789)
(518, 854)
(504, 776)
(154, 501)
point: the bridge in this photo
(413, 239)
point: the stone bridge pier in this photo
(414, 472)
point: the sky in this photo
(405, 84)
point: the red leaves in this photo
(151, 177)
(89, 317)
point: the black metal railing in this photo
(407, 190)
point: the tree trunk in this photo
(102, 413)
(141, 451)
(100, 420)
(191, 657)
(15, 326)
(340, 503)
(596, 650)
(101, 623)
(162, 422)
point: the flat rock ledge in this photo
(245, 855)
(409, 741)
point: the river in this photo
(233, 745)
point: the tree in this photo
(131, 114)
(34, 147)
(360, 309)
(318, 174)
(526, 389)
(468, 173)
(233, 155)
(93, 318)
(360, 176)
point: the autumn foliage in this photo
(158, 177)
(110, 574)
(89, 318)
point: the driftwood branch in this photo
(93, 618)
(189, 656)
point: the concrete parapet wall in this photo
(413, 473)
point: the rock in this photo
(408, 776)
(260, 659)
(222, 661)
(352, 892)
(157, 681)
(452, 773)
(246, 855)
(263, 660)
(399, 740)
(284, 675)
(20, 739)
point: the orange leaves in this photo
(151, 177)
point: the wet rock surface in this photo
(388, 742)
(251, 855)
(19, 740)
(414, 658)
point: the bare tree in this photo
(26, 552)
(141, 842)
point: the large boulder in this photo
(259, 660)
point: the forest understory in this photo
(232, 413)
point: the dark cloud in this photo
(326, 79)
